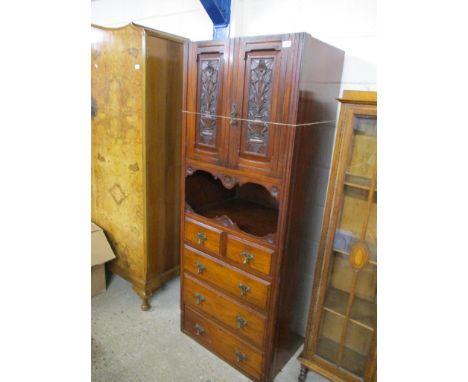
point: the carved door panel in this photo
(256, 145)
(206, 98)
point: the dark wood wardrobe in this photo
(249, 143)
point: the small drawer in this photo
(249, 254)
(203, 236)
(242, 320)
(218, 340)
(246, 287)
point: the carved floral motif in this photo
(228, 181)
(209, 76)
(259, 106)
(190, 170)
(274, 191)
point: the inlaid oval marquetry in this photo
(359, 255)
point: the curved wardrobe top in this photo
(148, 30)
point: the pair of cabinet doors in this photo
(234, 89)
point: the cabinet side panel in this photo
(319, 85)
(163, 152)
(117, 143)
(320, 81)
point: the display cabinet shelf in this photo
(363, 312)
(351, 360)
(358, 181)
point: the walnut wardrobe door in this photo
(207, 89)
(256, 144)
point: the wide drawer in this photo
(248, 254)
(221, 342)
(246, 287)
(242, 320)
(203, 236)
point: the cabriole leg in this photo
(145, 305)
(144, 295)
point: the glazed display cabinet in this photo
(341, 335)
(136, 136)
(250, 109)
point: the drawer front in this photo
(223, 343)
(203, 236)
(248, 254)
(242, 320)
(247, 288)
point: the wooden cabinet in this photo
(137, 76)
(246, 79)
(341, 334)
(249, 114)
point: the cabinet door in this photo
(261, 65)
(207, 90)
(348, 315)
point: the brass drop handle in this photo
(240, 356)
(201, 237)
(199, 330)
(200, 298)
(240, 322)
(200, 267)
(244, 289)
(232, 121)
(248, 257)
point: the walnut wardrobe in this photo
(136, 126)
(249, 143)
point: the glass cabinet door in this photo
(348, 316)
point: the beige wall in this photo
(350, 25)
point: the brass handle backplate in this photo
(201, 237)
(200, 298)
(199, 330)
(248, 257)
(240, 322)
(244, 289)
(200, 267)
(240, 356)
